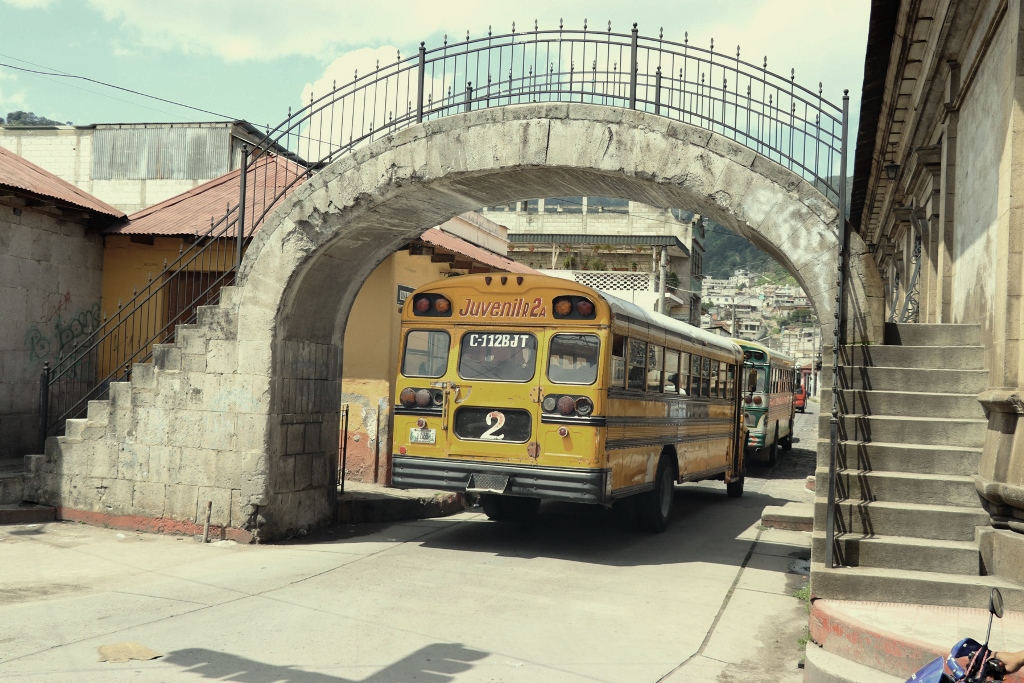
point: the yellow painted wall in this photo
(370, 361)
(127, 267)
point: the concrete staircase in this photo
(911, 435)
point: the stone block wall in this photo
(50, 282)
(188, 429)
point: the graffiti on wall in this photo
(60, 330)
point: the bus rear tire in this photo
(655, 507)
(787, 443)
(520, 510)
(735, 487)
(773, 449)
(492, 506)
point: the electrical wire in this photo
(62, 74)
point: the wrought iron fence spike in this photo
(446, 40)
(584, 23)
(559, 23)
(712, 44)
(119, 304)
(534, 25)
(150, 276)
(488, 30)
(513, 28)
(467, 35)
(609, 26)
(819, 88)
(792, 75)
(398, 55)
(765, 65)
(661, 33)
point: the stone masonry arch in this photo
(303, 271)
(242, 410)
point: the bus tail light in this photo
(566, 406)
(421, 423)
(423, 398)
(442, 305)
(584, 406)
(573, 307)
(563, 307)
(757, 400)
(585, 308)
(407, 397)
(421, 305)
(435, 305)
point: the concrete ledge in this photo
(1002, 553)
(26, 514)
(153, 525)
(363, 503)
(791, 516)
(821, 666)
(898, 638)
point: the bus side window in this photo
(637, 375)
(684, 374)
(705, 384)
(730, 382)
(655, 365)
(751, 380)
(713, 391)
(671, 371)
(695, 376)
(722, 381)
(618, 361)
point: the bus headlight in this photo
(757, 400)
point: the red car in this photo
(800, 398)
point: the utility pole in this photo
(734, 333)
(661, 284)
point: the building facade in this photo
(133, 165)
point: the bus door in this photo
(492, 410)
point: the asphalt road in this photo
(581, 596)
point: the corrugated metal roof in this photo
(570, 238)
(19, 173)
(189, 212)
(178, 153)
(613, 240)
(444, 240)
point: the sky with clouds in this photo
(253, 59)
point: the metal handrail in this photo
(769, 113)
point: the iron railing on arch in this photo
(769, 113)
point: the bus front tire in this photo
(655, 507)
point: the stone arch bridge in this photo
(243, 408)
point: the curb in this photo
(855, 642)
(821, 666)
(791, 516)
(354, 509)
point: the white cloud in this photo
(29, 4)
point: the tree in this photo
(27, 118)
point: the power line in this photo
(61, 74)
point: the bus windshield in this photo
(498, 356)
(755, 380)
(573, 358)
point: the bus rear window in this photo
(498, 356)
(426, 353)
(572, 358)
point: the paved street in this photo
(580, 597)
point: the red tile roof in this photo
(190, 211)
(20, 173)
(479, 254)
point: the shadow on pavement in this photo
(437, 663)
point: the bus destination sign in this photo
(518, 308)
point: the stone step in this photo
(899, 379)
(907, 403)
(883, 518)
(901, 552)
(791, 516)
(12, 487)
(898, 457)
(915, 587)
(901, 487)
(28, 513)
(947, 357)
(916, 430)
(917, 334)
(822, 666)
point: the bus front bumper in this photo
(548, 483)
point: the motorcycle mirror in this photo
(995, 603)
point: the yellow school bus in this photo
(523, 388)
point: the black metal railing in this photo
(720, 92)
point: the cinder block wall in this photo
(50, 280)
